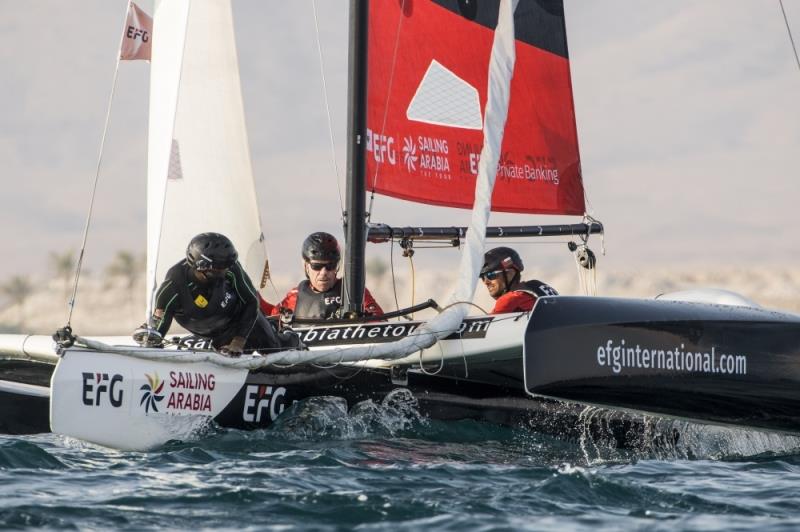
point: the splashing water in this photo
(648, 437)
(328, 417)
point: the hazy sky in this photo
(688, 120)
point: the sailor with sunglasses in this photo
(210, 295)
(501, 274)
(320, 295)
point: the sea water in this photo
(386, 467)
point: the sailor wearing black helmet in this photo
(501, 274)
(320, 295)
(210, 295)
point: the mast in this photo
(355, 207)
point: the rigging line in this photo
(441, 362)
(413, 281)
(470, 303)
(386, 105)
(79, 265)
(394, 280)
(361, 367)
(327, 108)
(789, 31)
(589, 207)
(589, 219)
(274, 290)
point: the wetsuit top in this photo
(306, 303)
(221, 307)
(521, 297)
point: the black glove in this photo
(146, 336)
(234, 348)
(291, 340)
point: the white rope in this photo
(150, 353)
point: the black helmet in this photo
(321, 247)
(501, 259)
(211, 250)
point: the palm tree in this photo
(126, 265)
(64, 267)
(17, 289)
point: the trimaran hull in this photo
(476, 374)
(482, 373)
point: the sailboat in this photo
(447, 124)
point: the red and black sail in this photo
(428, 71)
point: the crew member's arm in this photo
(249, 297)
(167, 302)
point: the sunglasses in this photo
(317, 266)
(203, 264)
(491, 275)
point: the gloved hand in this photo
(286, 316)
(146, 336)
(234, 348)
(291, 340)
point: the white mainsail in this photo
(199, 176)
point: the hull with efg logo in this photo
(133, 403)
(136, 403)
(710, 363)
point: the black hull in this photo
(494, 394)
(23, 414)
(439, 397)
(709, 363)
(24, 409)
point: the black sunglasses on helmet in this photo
(205, 264)
(317, 266)
(491, 275)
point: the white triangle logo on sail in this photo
(444, 99)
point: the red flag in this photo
(137, 39)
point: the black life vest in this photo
(535, 288)
(317, 305)
(208, 309)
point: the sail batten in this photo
(423, 140)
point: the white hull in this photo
(85, 381)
